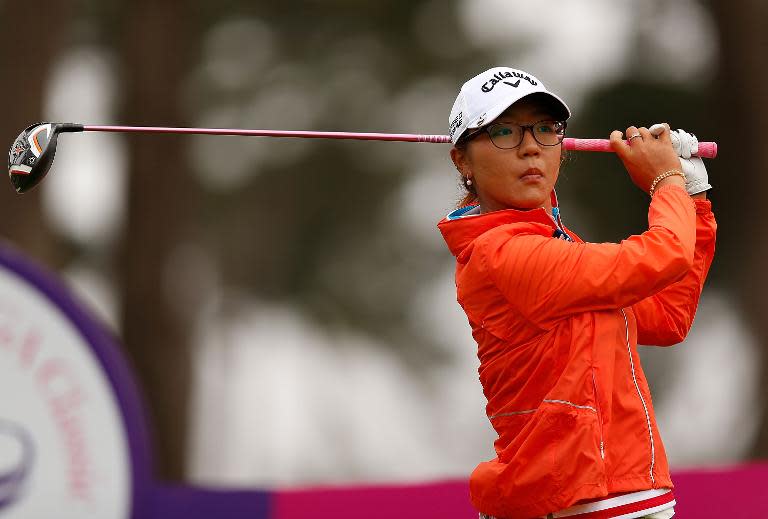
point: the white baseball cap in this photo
(484, 97)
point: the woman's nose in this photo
(529, 146)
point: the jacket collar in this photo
(460, 229)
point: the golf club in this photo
(31, 154)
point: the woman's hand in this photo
(685, 145)
(647, 156)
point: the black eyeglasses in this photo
(507, 136)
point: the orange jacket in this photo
(557, 325)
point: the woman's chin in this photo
(526, 204)
(523, 206)
(533, 199)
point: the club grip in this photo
(707, 150)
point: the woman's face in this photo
(517, 178)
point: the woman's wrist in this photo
(671, 177)
(675, 180)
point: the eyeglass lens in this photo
(509, 135)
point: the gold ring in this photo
(635, 135)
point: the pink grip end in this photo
(707, 150)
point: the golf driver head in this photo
(31, 154)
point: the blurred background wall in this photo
(289, 306)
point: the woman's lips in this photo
(532, 174)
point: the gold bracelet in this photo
(670, 173)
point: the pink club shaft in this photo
(706, 149)
(404, 137)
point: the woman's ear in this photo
(459, 158)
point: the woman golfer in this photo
(557, 320)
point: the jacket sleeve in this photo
(665, 318)
(547, 279)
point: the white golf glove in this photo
(685, 144)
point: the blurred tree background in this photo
(245, 274)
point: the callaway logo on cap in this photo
(484, 97)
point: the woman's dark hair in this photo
(470, 196)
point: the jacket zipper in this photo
(640, 394)
(599, 415)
